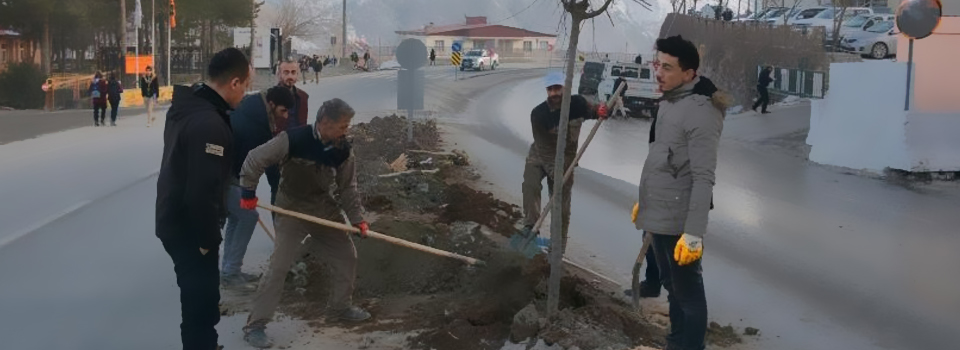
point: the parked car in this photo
(766, 14)
(480, 59)
(826, 17)
(797, 14)
(860, 23)
(878, 42)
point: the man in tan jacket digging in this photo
(676, 185)
(313, 160)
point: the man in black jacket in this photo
(149, 89)
(545, 120)
(763, 81)
(194, 174)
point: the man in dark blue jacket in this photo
(194, 174)
(253, 121)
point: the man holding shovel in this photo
(545, 118)
(312, 159)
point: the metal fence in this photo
(798, 82)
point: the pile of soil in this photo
(442, 302)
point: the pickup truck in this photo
(480, 59)
(643, 93)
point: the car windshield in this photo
(810, 13)
(475, 53)
(881, 27)
(774, 14)
(855, 22)
(626, 72)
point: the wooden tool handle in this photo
(372, 234)
(573, 165)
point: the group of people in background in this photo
(315, 65)
(110, 90)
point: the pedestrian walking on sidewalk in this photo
(545, 119)
(149, 89)
(98, 95)
(258, 119)
(312, 158)
(114, 92)
(763, 81)
(433, 57)
(194, 175)
(676, 185)
(317, 68)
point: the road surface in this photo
(814, 258)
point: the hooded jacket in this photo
(195, 170)
(676, 185)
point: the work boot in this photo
(352, 314)
(256, 336)
(237, 282)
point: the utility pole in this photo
(123, 37)
(344, 38)
(253, 26)
(153, 35)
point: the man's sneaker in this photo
(249, 277)
(257, 337)
(353, 314)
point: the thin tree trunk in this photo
(556, 220)
(47, 45)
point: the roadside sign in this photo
(455, 59)
(412, 54)
(456, 47)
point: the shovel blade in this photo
(525, 246)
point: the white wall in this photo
(934, 141)
(860, 123)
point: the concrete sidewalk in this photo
(27, 124)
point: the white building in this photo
(477, 34)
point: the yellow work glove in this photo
(636, 210)
(689, 249)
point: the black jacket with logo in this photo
(195, 170)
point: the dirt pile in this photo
(443, 302)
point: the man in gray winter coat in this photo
(676, 185)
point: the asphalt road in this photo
(813, 257)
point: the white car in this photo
(860, 23)
(878, 41)
(797, 14)
(826, 16)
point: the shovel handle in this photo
(372, 234)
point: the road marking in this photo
(5, 241)
(20, 234)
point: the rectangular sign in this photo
(261, 45)
(138, 64)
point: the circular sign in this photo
(918, 18)
(456, 47)
(412, 54)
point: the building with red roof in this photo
(476, 33)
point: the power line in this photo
(517, 13)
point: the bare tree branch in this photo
(599, 11)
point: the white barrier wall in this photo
(861, 124)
